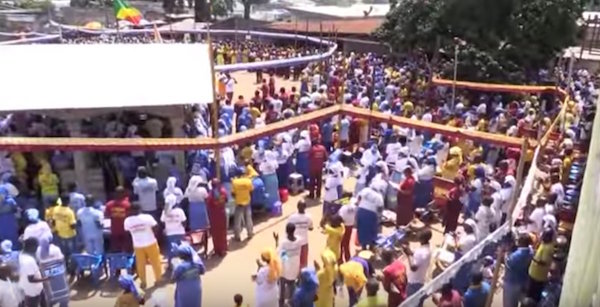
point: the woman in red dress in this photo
(216, 200)
(405, 208)
(454, 206)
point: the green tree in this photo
(248, 5)
(221, 8)
(201, 11)
(506, 40)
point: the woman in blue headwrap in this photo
(306, 293)
(130, 296)
(188, 287)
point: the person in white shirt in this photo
(174, 218)
(30, 277)
(348, 214)
(418, 261)
(557, 188)
(289, 252)
(536, 218)
(549, 219)
(332, 182)
(36, 228)
(145, 187)
(370, 205)
(230, 83)
(304, 224)
(140, 226)
(485, 217)
(466, 240)
(10, 295)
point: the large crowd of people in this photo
(394, 169)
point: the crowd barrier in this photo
(121, 144)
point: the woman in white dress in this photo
(269, 271)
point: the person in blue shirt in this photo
(477, 293)
(76, 199)
(327, 134)
(90, 222)
(515, 272)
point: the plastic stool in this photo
(296, 183)
(283, 195)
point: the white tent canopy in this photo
(55, 76)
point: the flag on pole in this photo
(125, 12)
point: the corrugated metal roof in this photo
(344, 26)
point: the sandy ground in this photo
(232, 274)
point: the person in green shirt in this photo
(372, 299)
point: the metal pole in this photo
(454, 78)
(215, 106)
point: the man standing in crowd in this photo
(515, 272)
(90, 223)
(140, 226)
(117, 210)
(64, 225)
(145, 187)
(316, 157)
(303, 224)
(289, 249)
(30, 277)
(394, 278)
(241, 188)
(419, 261)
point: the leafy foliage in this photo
(506, 40)
(248, 6)
(221, 7)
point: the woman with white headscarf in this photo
(172, 189)
(303, 148)
(268, 169)
(370, 205)
(196, 194)
(424, 187)
(174, 231)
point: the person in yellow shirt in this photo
(326, 275)
(48, 214)
(48, 183)
(354, 278)
(335, 231)
(241, 188)
(64, 222)
(451, 166)
(540, 265)
(566, 164)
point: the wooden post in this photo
(514, 198)
(295, 34)
(215, 102)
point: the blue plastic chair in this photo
(90, 263)
(115, 262)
